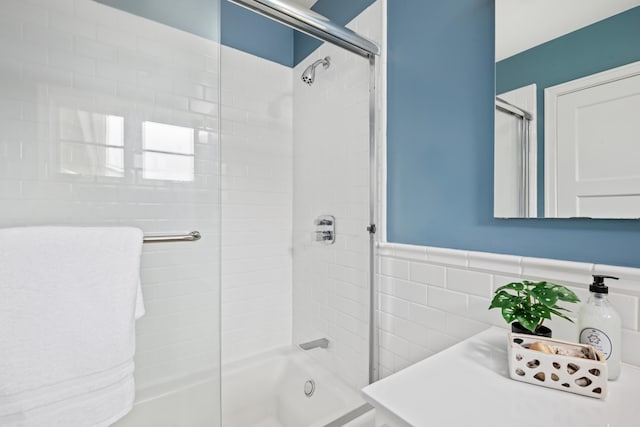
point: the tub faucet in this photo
(322, 343)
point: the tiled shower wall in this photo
(432, 298)
(86, 94)
(74, 70)
(331, 177)
(257, 191)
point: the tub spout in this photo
(322, 343)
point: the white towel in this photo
(69, 297)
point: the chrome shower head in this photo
(309, 74)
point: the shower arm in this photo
(325, 62)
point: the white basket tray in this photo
(567, 373)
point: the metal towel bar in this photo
(191, 237)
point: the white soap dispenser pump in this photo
(599, 325)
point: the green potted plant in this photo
(527, 304)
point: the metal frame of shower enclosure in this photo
(313, 24)
(320, 27)
(524, 117)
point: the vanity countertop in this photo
(469, 385)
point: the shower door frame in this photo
(321, 28)
(374, 350)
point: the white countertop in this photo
(469, 385)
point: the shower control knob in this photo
(325, 229)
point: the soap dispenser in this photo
(599, 325)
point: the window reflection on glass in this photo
(90, 143)
(168, 152)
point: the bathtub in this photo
(269, 391)
(182, 402)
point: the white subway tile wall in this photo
(77, 82)
(331, 177)
(257, 194)
(459, 287)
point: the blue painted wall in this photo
(339, 11)
(440, 144)
(611, 43)
(245, 30)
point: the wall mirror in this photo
(567, 118)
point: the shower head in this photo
(309, 74)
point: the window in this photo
(168, 152)
(90, 144)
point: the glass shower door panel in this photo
(331, 172)
(109, 118)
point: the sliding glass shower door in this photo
(297, 182)
(109, 117)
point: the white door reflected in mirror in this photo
(592, 154)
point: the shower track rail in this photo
(167, 238)
(312, 23)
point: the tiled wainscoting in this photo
(432, 298)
